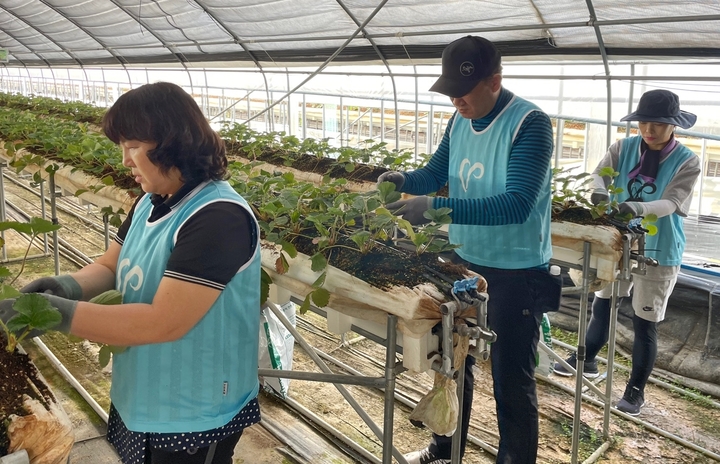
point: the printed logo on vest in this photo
(465, 177)
(648, 308)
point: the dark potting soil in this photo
(16, 375)
(386, 266)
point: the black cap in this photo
(465, 62)
(661, 106)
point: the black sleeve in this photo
(213, 245)
(125, 226)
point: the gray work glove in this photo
(412, 210)
(395, 177)
(63, 286)
(597, 197)
(64, 306)
(630, 207)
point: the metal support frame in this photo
(338, 380)
(393, 367)
(629, 240)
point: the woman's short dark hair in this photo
(167, 115)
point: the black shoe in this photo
(631, 402)
(424, 456)
(590, 369)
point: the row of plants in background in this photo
(277, 147)
(256, 146)
(75, 110)
(69, 142)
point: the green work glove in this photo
(63, 286)
(64, 306)
(597, 197)
(630, 207)
(395, 177)
(412, 210)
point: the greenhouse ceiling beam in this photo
(119, 58)
(384, 60)
(236, 39)
(520, 27)
(325, 63)
(47, 63)
(179, 56)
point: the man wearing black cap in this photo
(495, 157)
(657, 174)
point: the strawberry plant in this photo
(33, 311)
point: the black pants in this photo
(222, 454)
(644, 350)
(512, 314)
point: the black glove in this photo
(395, 177)
(63, 286)
(597, 197)
(412, 210)
(630, 207)
(64, 306)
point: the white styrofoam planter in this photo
(72, 180)
(568, 241)
(356, 302)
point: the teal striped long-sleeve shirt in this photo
(529, 161)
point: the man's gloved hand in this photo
(64, 306)
(597, 197)
(630, 207)
(63, 286)
(395, 177)
(412, 210)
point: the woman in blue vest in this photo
(187, 262)
(657, 174)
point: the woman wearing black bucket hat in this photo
(657, 174)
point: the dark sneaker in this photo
(631, 401)
(590, 369)
(424, 456)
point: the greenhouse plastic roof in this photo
(300, 32)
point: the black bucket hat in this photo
(465, 62)
(661, 106)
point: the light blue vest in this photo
(478, 169)
(201, 381)
(668, 245)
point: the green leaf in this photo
(320, 297)
(305, 306)
(110, 297)
(104, 355)
(320, 281)
(265, 281)
(404, 225)
(4, 272)
(37, 311)
(42, 226)
(289, 248)
(107, 180)
(7, 291)
(22, 227)
(318, 262)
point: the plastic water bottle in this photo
(543, 362)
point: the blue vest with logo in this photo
(478, 169)
(201, 381)
(668, 245)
